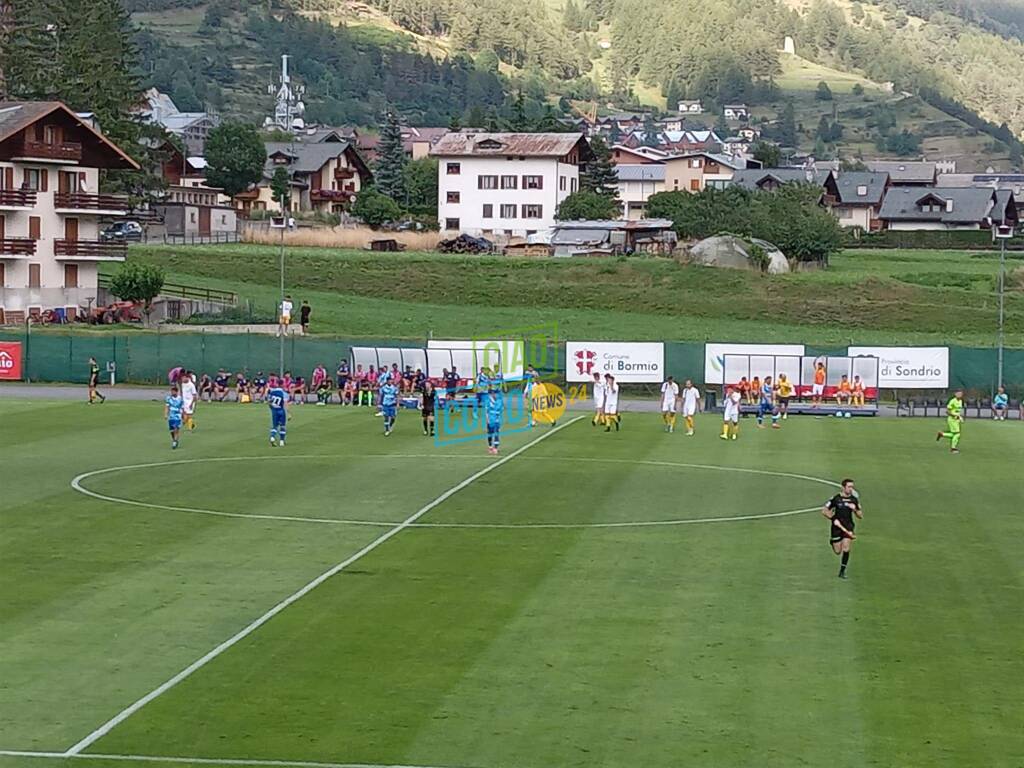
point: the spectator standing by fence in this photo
(285, 318)
(304, 312)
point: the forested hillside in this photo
(465, 60)
(232, 51)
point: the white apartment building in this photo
(50, 209)
(636, 184)
(506, 184)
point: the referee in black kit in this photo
(842, 510)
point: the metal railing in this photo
(196, 239)
(64, 150)
(23, 198)
(193, 292)
(90, 249)
(17, 246)
(83, 201)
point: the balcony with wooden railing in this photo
(330, 195)
(80, 201)
(61, 151)
(17, 246)
(17, 198)
(344, 173)
(89, 250)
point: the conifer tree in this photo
(389, 176)
(599, 174)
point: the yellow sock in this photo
(689, 422)
(725, 429)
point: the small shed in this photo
(614, 237)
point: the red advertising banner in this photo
(10, 360)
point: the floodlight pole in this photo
(284, 328)
(1002, 298)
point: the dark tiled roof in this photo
(17, 115)
(970, 205)
(309, 158)
(641, 172)
(850, 183)
(754, 178)
(904, 172)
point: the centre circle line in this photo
(76, 484)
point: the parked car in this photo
(122, 232)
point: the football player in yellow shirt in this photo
(785, 391)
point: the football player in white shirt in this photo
(669, 401)
(285, 318)
(731, 426)
(691, 404)
(598, 401)
(611, 403)
(189, 397)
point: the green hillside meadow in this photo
(884, 296)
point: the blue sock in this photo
(280, 434)
(273, 434)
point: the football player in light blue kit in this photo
(174, 404)
(389, 405)
(767, 404)
(277, 399)
(495, 415)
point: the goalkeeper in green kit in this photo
(954, 421)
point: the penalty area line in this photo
(227, 761)
(201, 662)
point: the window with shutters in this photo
(30, 179)
(533, 212)
(70, 275)
(33, 275)
(486, 182)
(453, 197)
(509, 182)
(508, 211)
(34, 228)
(488, 211)
(533, 182)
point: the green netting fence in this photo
(147, 357)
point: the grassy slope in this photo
(727, 644)
(870, 297)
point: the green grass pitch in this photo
(546, 641)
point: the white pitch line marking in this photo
(233, 761)
(76, 483)
(201, 662)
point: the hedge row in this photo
(928, 238)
